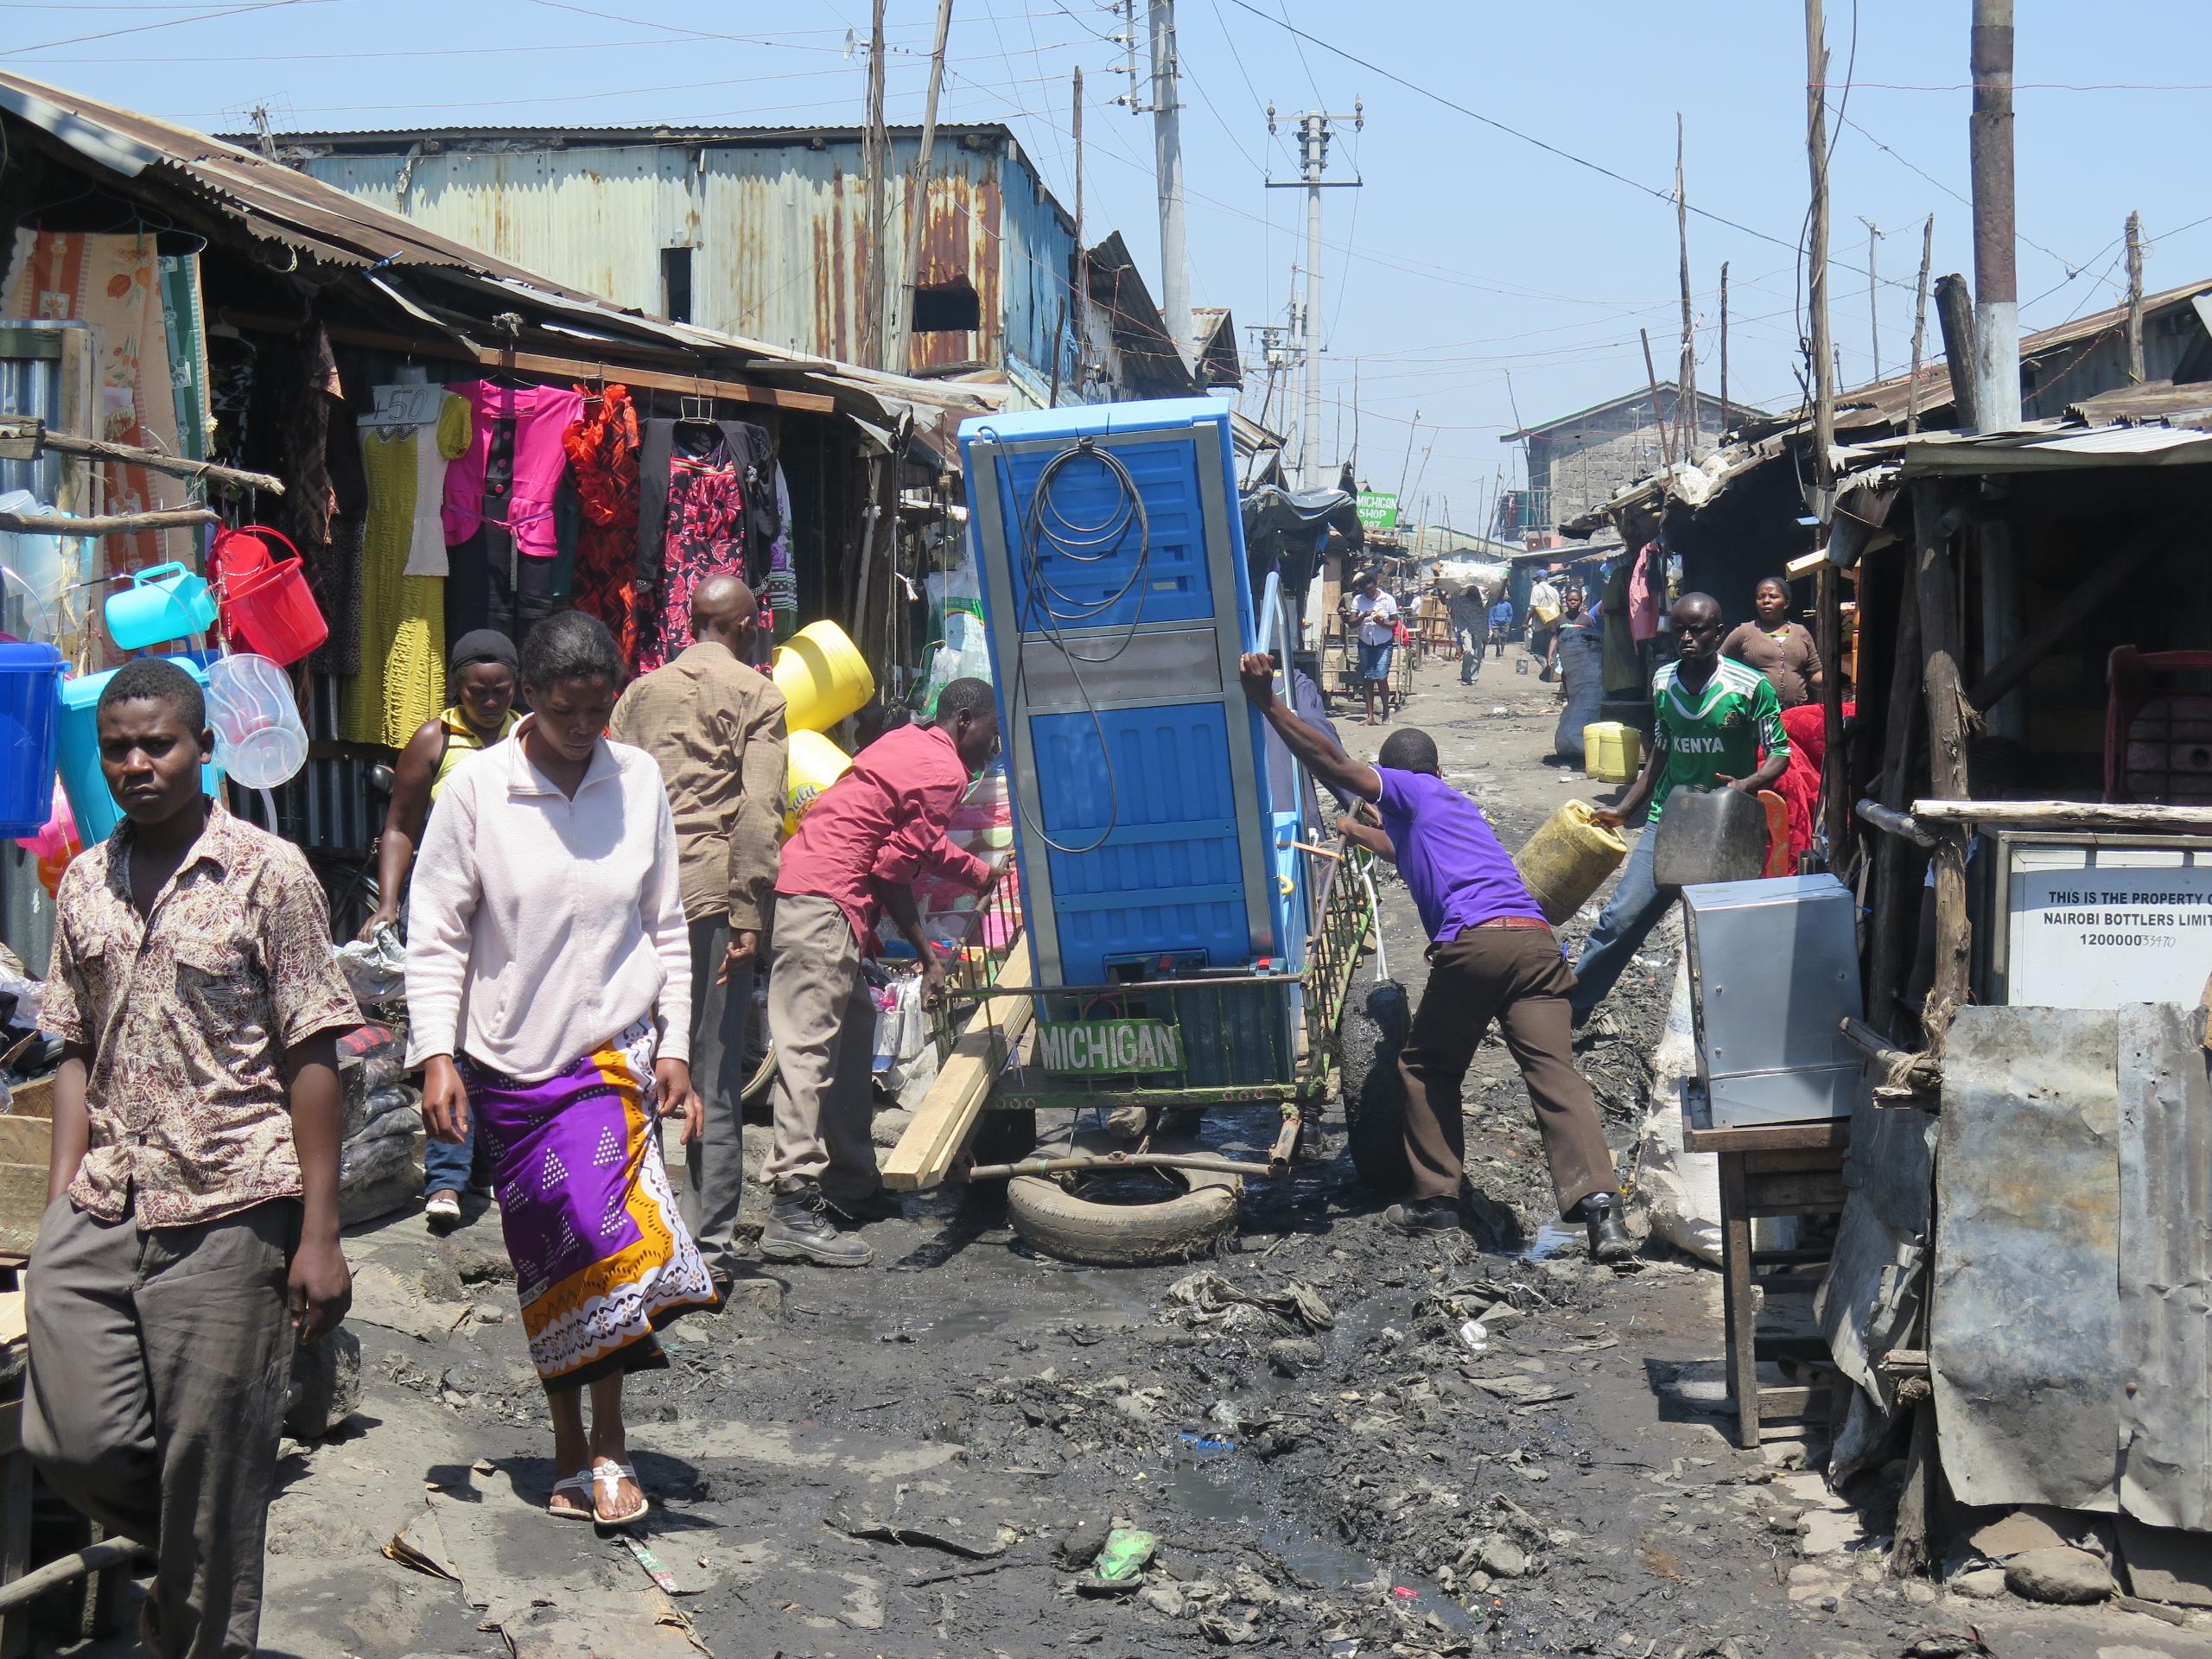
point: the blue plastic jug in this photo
(31, 711)
(82, 780)
(163, 602)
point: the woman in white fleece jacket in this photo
(549, 989)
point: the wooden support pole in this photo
(22, 438)
(1892, 822)
(1955, 316)
(1686, 378)
(1897, 872)
(2135, 298)
(1658, 409)
(2121, 817)
(114, 524)
(1951, 721)
(1919, 328)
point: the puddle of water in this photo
(1553, 1239)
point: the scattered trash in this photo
(1127, 1554)
(1209, 1299)
(1080, 1544)
(945, 1534)
(1476, 1335)
(654, 1570)
(1405, 1593)
(1205, 1442)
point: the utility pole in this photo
(1919, 327)
(1724, 344)
(1082, 296)
(1407, 465)
(1658, 409)
(1873, 301)
(1167, 165)
(874, 143)
(1313, 135)
(1996, 278)
(2135, 298)
(914, 216)
(1829, 598)
(1686, 411)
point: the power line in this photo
(170, 23)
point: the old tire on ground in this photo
(1367, 1041)
(1069, 1227)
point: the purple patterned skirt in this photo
(602, 1260)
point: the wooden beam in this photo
(578, 368)
(1918, 1073)
(1892, 822)
(1950, 720)
(2141, 817)
(114, 524)
(13, 431)
(941, 1124)
(2068, 614)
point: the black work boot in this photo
(1608, 1240)
(1418, 1218)
(882, 1205)
(798, 1230)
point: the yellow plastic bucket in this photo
(1612, 752)
(1568, 858)
(811, 764)
(822, 676)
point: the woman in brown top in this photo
(1778, 648)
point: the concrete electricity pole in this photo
(1996, 279)
(1313, 135)
(1828, 595)
(1164, 110)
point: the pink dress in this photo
(542, 415)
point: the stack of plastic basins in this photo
(1141, 817)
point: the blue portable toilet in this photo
(1117, 600)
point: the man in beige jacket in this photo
(716, 728)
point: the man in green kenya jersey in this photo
(1712, 718)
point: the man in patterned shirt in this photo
(190, 1237)
(1713, 717)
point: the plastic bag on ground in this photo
(1679, 1191)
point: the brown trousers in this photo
(822, 1020)
(1516, 976)
(159, 1365)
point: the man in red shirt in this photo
(855, 856)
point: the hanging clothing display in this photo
(540, 415)
(602, 450)
(436, 443)
(335, 572)
(402, 680)
(781, 595)
(1647, 593)
(112, 284)
(692, 524)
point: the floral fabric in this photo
(602, 450)
(705, 537)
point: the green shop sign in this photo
(1378, 511)
(1097, 1046)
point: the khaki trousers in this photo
(1516, 977)
(823, 1022)
(159, 1364)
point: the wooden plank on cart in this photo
(925, 1153)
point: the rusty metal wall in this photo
(778, 235)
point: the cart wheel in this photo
(1373, 1031)
(764, 1076)
(1126, 1217)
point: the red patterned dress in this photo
(602, 449)
(705, 537)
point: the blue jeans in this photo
(1638, 905)
(448, 1168)
(1374, 660)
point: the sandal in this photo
(579, 1482)
(611, 1476)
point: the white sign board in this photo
(2097, 926)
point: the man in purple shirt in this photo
(1491, 956)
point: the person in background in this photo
(1467, 629)
(1578, 654)
(855, 856)
(190, 1238)
(549, 984)
(1492, 957)
(1543, 611)
(1782, 650)
(1501, 625)
(716, 727)
(1715, 723)
(482, 673)
(1800, 783)
(1376, 613)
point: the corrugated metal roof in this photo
(2051, 445)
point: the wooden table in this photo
(1774, 1169)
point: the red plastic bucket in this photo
(266, 604)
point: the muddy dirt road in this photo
(895, 1460)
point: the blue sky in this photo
(1469, 253)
